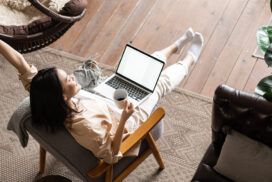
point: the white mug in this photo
(120, 96)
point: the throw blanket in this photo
(88, 75)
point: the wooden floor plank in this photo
(94, 27)
(233, 48)
(68, 39)
(118, 20)
(162, 30)
(259, 72)
(156, 21)
(134, 23)
(215, 45)
(243, 68)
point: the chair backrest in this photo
(63, 147)
(247, 113)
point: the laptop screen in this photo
(140, 67)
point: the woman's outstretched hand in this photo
(128, 110)
(14, 57)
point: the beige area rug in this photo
(185, 139)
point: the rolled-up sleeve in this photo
(96, 137)
(27, 77)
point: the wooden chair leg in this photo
(155, 150)
(42, 159)
(109, 174)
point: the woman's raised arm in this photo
(117, 140)
(14, 57)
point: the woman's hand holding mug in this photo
(128, 110)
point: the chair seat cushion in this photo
(245, 160)
(205, 171)
(13, 17)
(16, 5)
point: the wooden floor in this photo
(228, 26)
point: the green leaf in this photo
(269, 31)
(268, 56)
(264, 35)
(264, 88)
(268, 96)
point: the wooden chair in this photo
(83, 163)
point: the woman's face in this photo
(69, 84)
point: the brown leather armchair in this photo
(246, 113)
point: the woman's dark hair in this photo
(48, 106)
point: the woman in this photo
(95, 124)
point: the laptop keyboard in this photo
(133, 91)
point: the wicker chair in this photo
(44, 31)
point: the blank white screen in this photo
(140, 68)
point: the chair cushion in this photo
(56, 5)
(16, 5)
(25, 24)
(23, 20)
(74, 7)
(245, 160)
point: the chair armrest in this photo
(143, 130)
(132, 140)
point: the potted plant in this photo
(264, 41)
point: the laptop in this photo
(137, 72)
